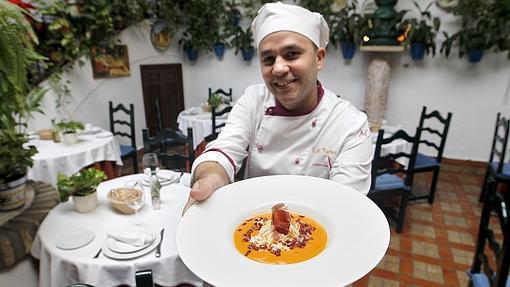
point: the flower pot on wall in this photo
(12, 194)
(219, 50)
(474, 56)
(348, 50)
(417, 51)
(247, 53)
(85, 203)
(192, 54)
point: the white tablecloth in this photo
(61, 267)
(200, 121)
(52, 157)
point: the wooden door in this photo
(162, 87)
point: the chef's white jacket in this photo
(331, 141)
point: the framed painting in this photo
(110, 63)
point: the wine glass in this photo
(150, 164)
(136, 202)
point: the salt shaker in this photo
(155, 188)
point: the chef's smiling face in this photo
(289, 63)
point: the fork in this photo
(98, 252)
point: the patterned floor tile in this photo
(460, 237)
(423, 230)
(420, 215)
(389, 263)
(425, 249)
(462, 256)
(449, 206)
(382, 282)
(428, 272)
(455, 221)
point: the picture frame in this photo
(110, 62)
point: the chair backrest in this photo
(173, 148)
(437, 137)
(143, 278)
(121, 123)
(495, 260)
(500, 141)
(387, 164)
(215, 114)
(227, 96)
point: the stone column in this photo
(376, 96)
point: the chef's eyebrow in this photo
(290, 47)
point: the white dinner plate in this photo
(358, 233)
(165, 177)
(130, 255)
(75, 239)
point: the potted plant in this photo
(346, 29)
(420, 34)
(68, 130)
(480, 28)
(82, 187)
(243, 41)
(214, 101)
(18, 102)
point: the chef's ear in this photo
(321, 55)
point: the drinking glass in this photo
(150, 164)
(136, 203)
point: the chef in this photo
(291, 124)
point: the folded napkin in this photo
(135, 238)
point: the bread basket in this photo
(119, 198)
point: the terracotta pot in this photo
(85, 203)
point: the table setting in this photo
(200, 121)
(106, 246)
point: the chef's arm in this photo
(208, 177)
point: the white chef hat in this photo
(274, 17)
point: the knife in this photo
(158, 248)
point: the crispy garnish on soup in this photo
(280, 237)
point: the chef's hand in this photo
(209, 176)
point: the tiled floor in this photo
(436, 245)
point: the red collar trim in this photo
(280, 110)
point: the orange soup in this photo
(256, 239)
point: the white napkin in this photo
(135, 238)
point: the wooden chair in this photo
(391, 179)
(143, 278)
(123, 125)
(216, 114)
(227, 96)
(173, 148)
(492, 255)
(498, 171)
(436, 140)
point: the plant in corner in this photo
(82, 187)
(421, 33)
(17, 99)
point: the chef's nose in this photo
(280, 66)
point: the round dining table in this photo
(61, 267)
(200, 121)
(52, 158)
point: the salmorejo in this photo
(280, 237)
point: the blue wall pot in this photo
(474, 56)
(417, 51)
(219, 50)
(348, 49)
(192, 54)
(247, 53)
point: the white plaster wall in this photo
(474, 93)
